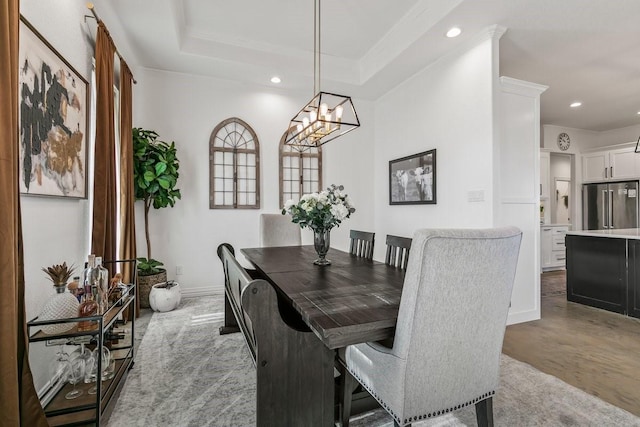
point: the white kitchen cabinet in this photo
(607, 165)
(552, 248)
(623, 164)
(594, 166)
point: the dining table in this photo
(353, 300)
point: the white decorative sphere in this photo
(60, 306)
(164, 298)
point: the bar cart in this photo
(113, 329)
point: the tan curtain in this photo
(127, 191)
(19, 404)
(103, 236)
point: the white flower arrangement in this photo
(320, 211)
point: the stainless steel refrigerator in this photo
(610, 205)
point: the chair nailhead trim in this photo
(425, 416)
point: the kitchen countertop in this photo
(623, 233)
(555, 225)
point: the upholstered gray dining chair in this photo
(398, 249)
(278, 230)
(361, 244)
(451, 322)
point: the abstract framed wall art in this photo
(412, 179)
(53, 119)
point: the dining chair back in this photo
(362, 243)
(278, 230)
(397, 251)
(451, 321)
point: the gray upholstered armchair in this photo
(451, 323)
(278, 230)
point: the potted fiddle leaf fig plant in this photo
(155, 174)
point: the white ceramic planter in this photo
(163, 299)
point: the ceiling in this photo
(584, 51)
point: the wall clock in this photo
(564, 141)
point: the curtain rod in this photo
(95, 16)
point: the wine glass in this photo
(90, 376)
(107, 368)
(75, 374)
(57, 368)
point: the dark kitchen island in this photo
(603, 269)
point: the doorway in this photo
(562, 195)
(562, 192)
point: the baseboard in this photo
(523, 316)
(200, 292)
(49, 390)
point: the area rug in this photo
(186, 374)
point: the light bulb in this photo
(313, 115)
(323, 109)
(454, 32)
(339, 110)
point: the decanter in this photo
(102, 278)
(89, 305)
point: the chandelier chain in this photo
(317, 16)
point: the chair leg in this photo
(347, 385)
(484, 412)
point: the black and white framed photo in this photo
(412, 179)
(54, 111)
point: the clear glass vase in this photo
(321, 241)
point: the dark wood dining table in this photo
(351, 301)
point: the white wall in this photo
(185, 109)
(619, 136)
(454, 106)
(447, 107)
(585, 140)
(581, 139)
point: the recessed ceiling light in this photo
(575, 104)
(638, 112)
(275, 79)
(454, 32)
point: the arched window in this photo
(300, 170)
(234, 166)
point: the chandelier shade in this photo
(324, 118)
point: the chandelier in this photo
(328, 115)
